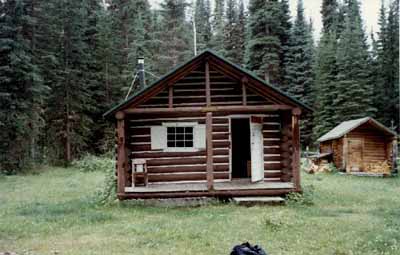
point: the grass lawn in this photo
(50, 212)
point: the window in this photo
(180, 137)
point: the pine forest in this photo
(64, 63)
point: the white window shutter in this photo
(199, 139)
(158, 137)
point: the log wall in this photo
(375, 149)
(190, 92)
(191, 166)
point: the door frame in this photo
(238, 116)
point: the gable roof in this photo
(204, 54)
(347, 126)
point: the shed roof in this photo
(204, 54)
(347, 126)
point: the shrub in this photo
(91, 163)
(108, 192)
(305, 198)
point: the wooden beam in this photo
(237, 109)
(170, 97)
(208, 86)
(209, 144)
(214, 193)
(121, 152)
(296, 148)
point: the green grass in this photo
(51, 211)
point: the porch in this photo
(240, 187)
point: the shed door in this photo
(257, 152)
(355, 159)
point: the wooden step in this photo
(248, 201)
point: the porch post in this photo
(296, 148)
(209, 144)
(121, 152)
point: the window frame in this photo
(181, 124)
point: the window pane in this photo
(171, 137)
(180, 137)
(180, 130)
(189, 144)
(171, 130)
(171, 144)
(180, 144)
(189, 137)
(189, 130)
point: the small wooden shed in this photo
(361, 145)
(207, 128)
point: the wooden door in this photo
(355, 158)
(257, 152)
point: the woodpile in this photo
(318, 166)
(378, 167)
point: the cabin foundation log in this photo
(214, 193)
(296, 148)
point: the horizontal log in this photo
(141, 147)
(220, 129)
(150, 154)
(139, 139)
(272, 175)
(139, 131)
(272, 150)
(271, 134)
(221, 136)
(272, 166)
(184, 169)
(237, 109)
(272, 158)
(215, 193)
(271, 142)
(176, 161)
(221, 144)
(184, 177)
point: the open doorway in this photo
(241, 155)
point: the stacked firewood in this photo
(378, 167)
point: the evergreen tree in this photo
(354, 97)
(71, 101)
(203, 24)
(325, 87)
(329, 12)
(218, 27)
(176, 44)
(264, 47)
(21, 87)
(242, 33)
(284, 37)
(299, 62)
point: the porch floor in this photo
(240, 184)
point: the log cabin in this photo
(207, 128)
(361, 146)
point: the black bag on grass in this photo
(247, 249)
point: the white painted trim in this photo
(180, 124)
